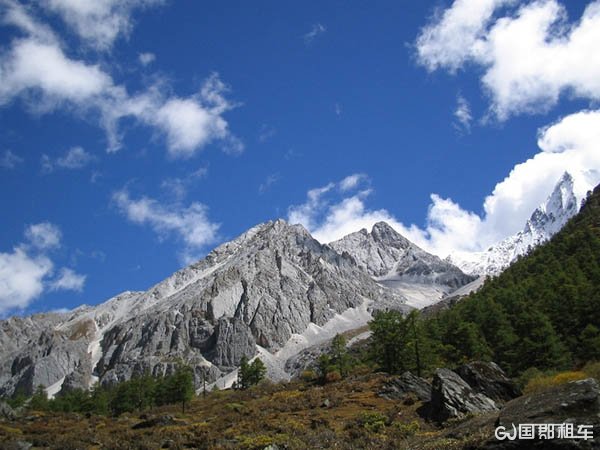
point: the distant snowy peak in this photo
(553, 214)
(387, 255)
(545, 222)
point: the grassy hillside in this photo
(347, 414)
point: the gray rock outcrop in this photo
(489, 379)
(401, 387)
(575, 403)
(6, 412)
(452, 397)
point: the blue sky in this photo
(136, 136)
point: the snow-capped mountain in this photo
(394, 261)
(545, 222)
(274, 290)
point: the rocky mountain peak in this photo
(395, 262)
(384, 233)
(558, 208)
(544, 222)
(251, 294)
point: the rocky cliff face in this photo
(252, 293)
(394, 261)
(544, 223)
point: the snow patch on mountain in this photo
(545, 222)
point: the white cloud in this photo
(17, 15)
(531, 56)
(27, 272)
(266, 132)
(316, 30)
(268, 183)
(190, 224)
(454, 36)
(37, 70)
(462, 114)
(307, 213)
(146, 58)
(44, 235)
(98, 22)
(571, 144)
(72, 159)
(187, 125)
(68, 279)
(21, 279)
(9, 160)
(178, 186)
(351, 181)
(35, 67)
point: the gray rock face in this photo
(395, 262)
(233, 340)
(489, 379)
(385, 252)
(399, 388)
(576, 403)
(48, 356)
(452, 397)
(80, 378)
(306, 359)
(6, 412)
(259, 289)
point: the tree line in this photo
(542, 312)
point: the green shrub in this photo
(372, 421)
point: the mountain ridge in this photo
(394, 261)
(545, 221)
(254, 292)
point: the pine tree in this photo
(250, 374)
(182, 385)
(39, 400)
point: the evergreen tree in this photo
(250, 374)
(182, 385)
(39, 400)
(589, 347)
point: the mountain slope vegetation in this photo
(543, 311)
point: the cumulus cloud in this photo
(37, 69)
(455, 35)
(530, 54)
(68, 279)
(44, 68)
(571, 144)
(190, 224)
(21, 279)
(9, 160)
(28, 270)
(43, 236)
(100, 22)
(316, 30)
(352, 181)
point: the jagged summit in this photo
(396, 262)
(544, 222)
(252, 294)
